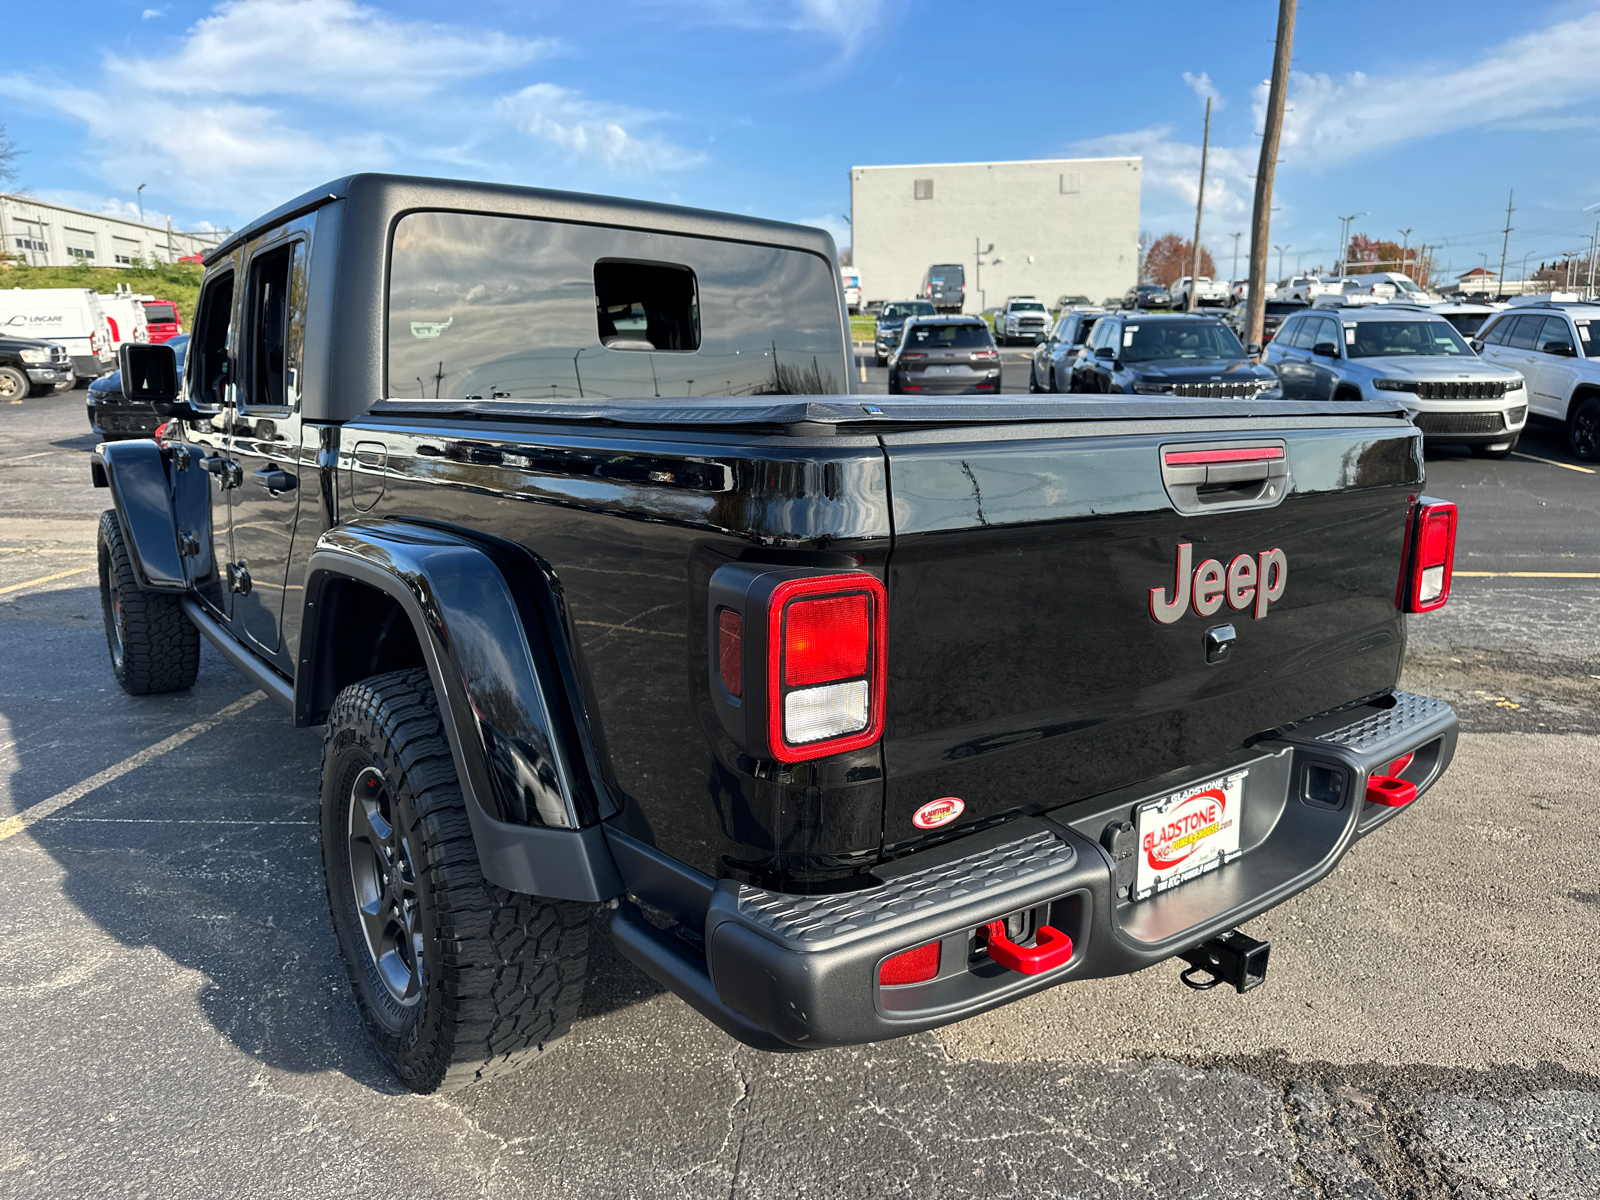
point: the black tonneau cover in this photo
(811, 412)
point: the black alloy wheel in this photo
(1583, 430)
(457, 979)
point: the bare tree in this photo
(8, 157)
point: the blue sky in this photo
(1422, 116)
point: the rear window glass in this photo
(951, 273)
(947, 337)
(489, 307)
(1148, 340)
(1280, 309)
(160, 312)
(1466, 324)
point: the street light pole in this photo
(140, 194)
(1235, 272)
(1344, 242)
(1280, 250)
(1405, 243)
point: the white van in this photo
(125, 316)
(70, 317)
(851, 278)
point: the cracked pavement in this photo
(176, 1022)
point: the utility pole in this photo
(1199, 207)
(1280, 250)
(1499, 286)
(1405, 242)
(1261, 217)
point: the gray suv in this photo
(1402, 354)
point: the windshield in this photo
(1178, 339)
(950, 274)
(910, 308)
(1389, 339)
(1074, 300)
(1283, 309)
(947, 337)
(1590, 335)
(1027, 306)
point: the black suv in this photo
(1169, 354)
(891, 320)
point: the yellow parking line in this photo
(17, 587)
(35, 813)
(1550, 462)
(1526, 574)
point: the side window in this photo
(1325, 330)
(1555, 330)
(1495, 334)
(208, 369)
(1293, 333)
(1521, 335)
(1085, 325)
(274, 319)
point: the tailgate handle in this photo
(1225, 475)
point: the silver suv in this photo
(1406, 354)
(1556, 347)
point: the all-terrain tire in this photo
(154, 646)
(495, 977)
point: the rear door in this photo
(1551, 377)
(1027, 667)
(265, 436)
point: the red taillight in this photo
(985, 355)
(826, 639)
(826, 665)
(914, 354)
(1433, 556)
(914, 966)
(730, 651)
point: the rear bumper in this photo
(780, 971)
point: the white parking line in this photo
(1550, 462)
(1525, 574)
(35, 813)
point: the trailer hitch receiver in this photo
(1232, 958)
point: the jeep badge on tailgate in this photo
(1247, 580)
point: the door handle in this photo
(229, 472)
(275, 479)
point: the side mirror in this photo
(1476, 344)
(149, 373)
(1560, 349)
(1106, 354)
(1253, 349)
(1326, 350)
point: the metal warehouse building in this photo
(52, 235)
(1058, 226)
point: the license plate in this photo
(941, 370)
(1188, 833)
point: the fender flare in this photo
(136, 473)
(503, 711)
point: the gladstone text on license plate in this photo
(942, 370)
(1188, 833)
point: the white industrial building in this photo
(1058, 226)
(51, 235)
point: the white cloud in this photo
(1547, 124)
(590, 129)
(847, 22)
(1173, 167)
(325, 48)
(1202, 86)
(1334, 121)
(151, 14)
(265, 98)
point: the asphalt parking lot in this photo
(176, 1022)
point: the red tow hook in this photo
(1052, 950)
(1390, 790)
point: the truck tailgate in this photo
(1026, 669)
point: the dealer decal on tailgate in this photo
(1188, 833)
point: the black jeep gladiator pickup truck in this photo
(858, 715)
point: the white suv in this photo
(1556, 347)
